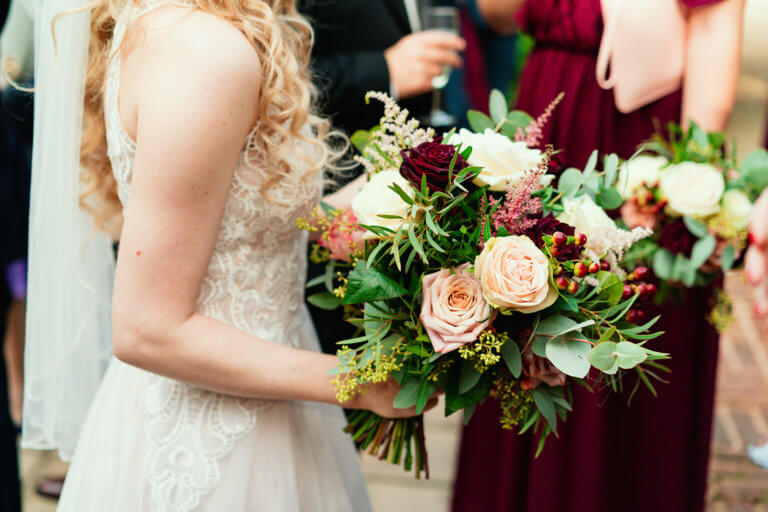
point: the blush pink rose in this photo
(343, 237)
(537, 370)
(514, 275)
(453, 309)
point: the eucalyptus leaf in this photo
(605, 358)
(611, 169)
(324, 300)
(754, 170)
(409, 392)
(426, 388)
(591, 163)
(557, 325)
(545, 405)
(497, 106)
(515, 120)
(479, 121)
(728, 257)
(702, 250)
(663, 264)
(468, 376)
(696, 227)
(629, 355)
(510, 352)
(569, 182)
(609, 198)
(569, 355)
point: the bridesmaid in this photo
(654, 454)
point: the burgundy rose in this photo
(430, 159)
(547, 226)
(676, 238)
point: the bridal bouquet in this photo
(696, 198)
(468, 271)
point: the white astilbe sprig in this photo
(611, 242)
(396, 131)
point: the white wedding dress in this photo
(153, 444)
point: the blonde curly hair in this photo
(283, 40)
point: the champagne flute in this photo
(445, 18)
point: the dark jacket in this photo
(348, 57)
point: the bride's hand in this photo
(378, 398)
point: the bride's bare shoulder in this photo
(192, 41)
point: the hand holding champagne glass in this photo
(418, 57)
(444, 19)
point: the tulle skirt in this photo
(289, 456)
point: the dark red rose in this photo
(430, 159)
(676, 238)
(546, 226)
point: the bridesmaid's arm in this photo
(500, 14)
(712, 66)
(194, 95)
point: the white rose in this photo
(583, 214)
(586, 217)
(376, 198)
(693, 189)
(642, 169)
(502, 161)
(736, 209)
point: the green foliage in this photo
(324, 300)
(368, 284)
(479, 122)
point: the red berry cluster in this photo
(637, 283)
(566, 247)
(648, 199)
(578, 269)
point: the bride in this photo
(198, 119)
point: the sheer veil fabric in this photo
(71, 266)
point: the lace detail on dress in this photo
(255, 282)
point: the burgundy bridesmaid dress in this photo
(652, 455)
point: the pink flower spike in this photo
(534, 131)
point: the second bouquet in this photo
(467, 271)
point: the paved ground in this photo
(742, 396)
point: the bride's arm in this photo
(195, 105)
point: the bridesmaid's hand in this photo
(378, 398)
(756, 266)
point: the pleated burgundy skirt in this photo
(651, 456)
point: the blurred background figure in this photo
(16, 61)
(492, 60)
(654, 454)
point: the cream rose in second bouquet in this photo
(377, 198)
(643, 169)
(453, 311)
(503, 161)
(693, 189)
(736, 209)
(515, 275)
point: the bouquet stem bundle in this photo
(393, 440)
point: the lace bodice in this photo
(255, 282)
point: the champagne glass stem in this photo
(436, 97)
